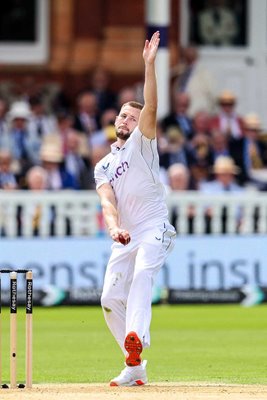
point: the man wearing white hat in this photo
(23, 146)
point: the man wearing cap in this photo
(227, 121)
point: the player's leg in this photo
(152, 253)
(116, 287)
(114, 300)
(150, 257)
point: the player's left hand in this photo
(151, 47)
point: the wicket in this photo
(13, 328)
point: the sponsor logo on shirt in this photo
(119, 171)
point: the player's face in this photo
(126, 121)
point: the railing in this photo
(27, 214)
(24, 213)
(199, 213)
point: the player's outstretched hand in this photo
(151, 47)
(120, 235)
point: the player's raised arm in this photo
(148, 117)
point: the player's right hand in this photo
(120, 235)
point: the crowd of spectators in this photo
(48, 144)
(66, 142)
(199, 142)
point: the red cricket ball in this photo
(122, 240)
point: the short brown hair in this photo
(133, 104)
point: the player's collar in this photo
(115, 148)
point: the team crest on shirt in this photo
(105, 167)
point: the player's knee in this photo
(104, 301)
(107, 302)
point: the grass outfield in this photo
(223, 344)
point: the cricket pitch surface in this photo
(151, 391)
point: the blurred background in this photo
(66, 67)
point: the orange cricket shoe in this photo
(134, 348)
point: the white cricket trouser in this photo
(127, 291)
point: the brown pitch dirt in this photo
(152, 391)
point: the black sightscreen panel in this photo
(218, 22)
(18, 21)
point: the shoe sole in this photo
(134, 348)
(138, 382)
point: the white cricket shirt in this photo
(133, 172)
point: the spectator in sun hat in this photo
(225, 172)
(23, 146)
(58, 177)
(227, 121)
(249, 152)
